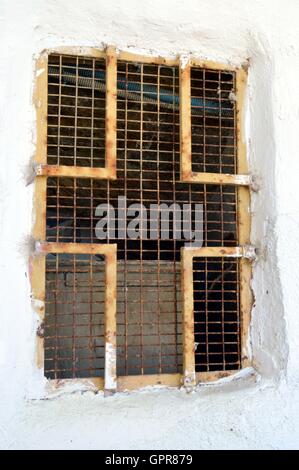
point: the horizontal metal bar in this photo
(246, 251)
(74, 171)
(211, 65)
(133, 382)
(217, 178)
(44, 248)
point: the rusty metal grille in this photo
(149, 319)
(74, 321)
(72, 202)
(214, 141)
(216, 314)
(76, 111)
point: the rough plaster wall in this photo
(246, 413)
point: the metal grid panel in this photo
(149, 318)
(216, 314)
(76, 111)
(213, 135)
(148, 159)
(74, 316)
(71, 205)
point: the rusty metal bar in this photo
(189, 377)
(72, 171)
(244, 219)
(37, 265)
(246, 251)
(43, 248)
(110, 321)
(111, 94)
(185, 121)
(218, 178)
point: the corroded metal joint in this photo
(249, 252)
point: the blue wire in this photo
(151, 92)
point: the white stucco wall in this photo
(253, 411)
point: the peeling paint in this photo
(39, 72)
(232, 96)
(184, 61)
(110, 361)
(243, 179)
(37, 304)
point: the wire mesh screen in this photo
(76, 111)
(213, 121)
(74, 319)
(216, 314)
(149, 318)
(72, 203)
(149, 325)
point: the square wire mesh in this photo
(74, 320)
(149, 313)
(216, 314)
(213, 135)
(76, 111)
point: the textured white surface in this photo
(242, 414)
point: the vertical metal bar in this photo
(92, 150)
(175, 310)
(74, 317)
(90, 291)
(59, 110)
(57, 210)
(110, 320)
(220, 122)
(239, 339)
(74, 309)
(76, 111)
(185, 121)
(125, 224)
(207, 312)
(204, 120)
(186, 260)
(92, 112)
(110, 267)
(222, 227)
(110, 120)
(56, 313)
(222, 313)
(141, 201)
(158, 193)
(38, 263)
(189, 377)
(243, 212)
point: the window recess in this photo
(126, 313)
